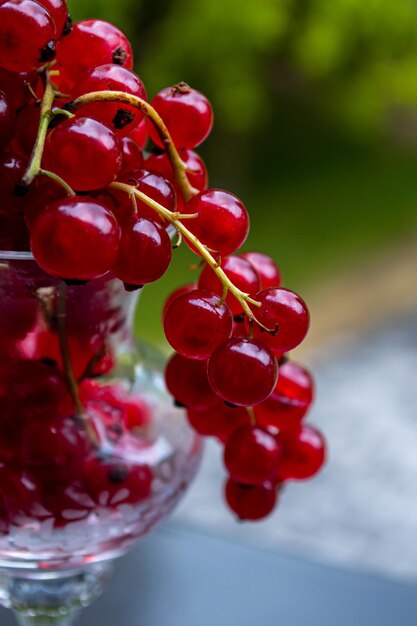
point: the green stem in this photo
(45, 117)
(58, 180)
(180, 169)
(175, 219)
(61, 315)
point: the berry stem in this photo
(58, 180)
(45, 117)
(179, 167)
(175, 219)
(61, 315)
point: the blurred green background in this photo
(315, 121)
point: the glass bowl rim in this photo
(14, 255)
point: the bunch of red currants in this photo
(81, 192)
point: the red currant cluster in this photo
(81, 193)
(225, 372)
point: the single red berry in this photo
(59, 12)
(219, 421)
(174, 295)
(75, 238)
(285, 315)
(195, 324)
(268, 270)
(27, 123)
(113, 482)
(145, 252)
(221, 222)
(19, 494)
(243, 371)
(188, 383)
(18, 51)
(54, 447)
(12, 169)
(250, 502)
(15, 86)
(91, 43)
(120, 117)
(303, 453)
(187, 114)
(42, 192)
(290, 400)
(252, 455)
(132, 157)
(84, 152)
(196, 169)
(155, 187)
(140, 134)
(7, 119)
(241, 273)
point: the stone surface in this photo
(362, 510)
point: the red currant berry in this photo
(15, 86)
(290, 400)
(303, 453)
(140, 134)
(283, 313)
(58, 11)
(7, 119)
(27, 123)
(243, 371)
(195, 324)
(38, 390)
(121, 117)
(174, 295)
(188, 383)
(251, 502)
(155, 187)
(222, 221)
(268, 270)
(187, 114)
(75, 238)
(220, 421)
(84, 152)
(132, 157)
(18, 51)
(196, 169)
(91, 43)
(42, 192)
(114, 482)
(145, 252)
(54, 446)
(252, 455)
(12, 169)
(241, 273)
(19, 494)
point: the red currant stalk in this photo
(176, 220)
(59, 295)
(179, 167)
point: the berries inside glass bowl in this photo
(97, 183)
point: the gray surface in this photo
(361, 512)
(186, 579)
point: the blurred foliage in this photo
(357, 61)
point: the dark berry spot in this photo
(20, 189)
(122, 119)
(119, 56)
(179, 404)
(118, 474)
(48, 52)
(72, 282)
(239, 318)
(230, 405)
